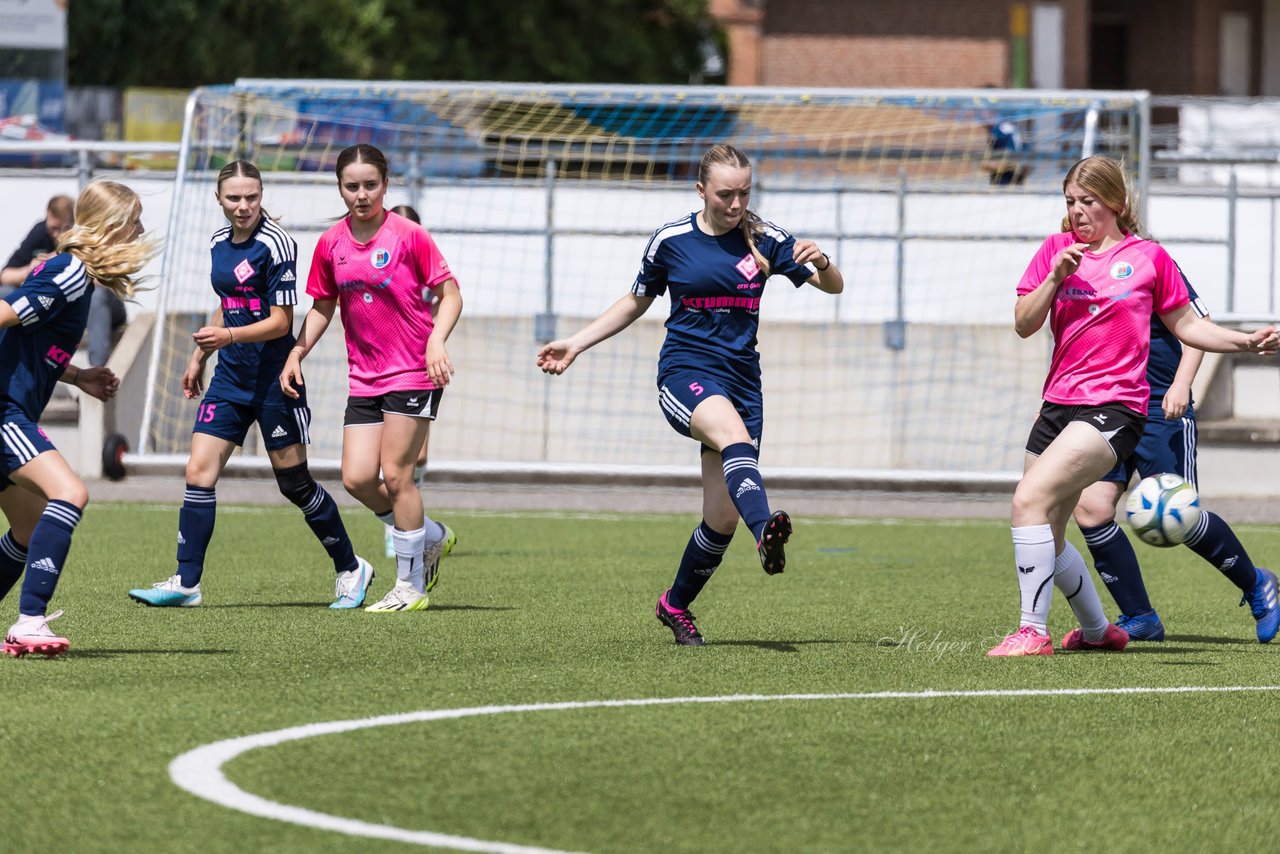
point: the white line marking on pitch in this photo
(199, 771)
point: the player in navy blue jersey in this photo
(713, 263)
(1168, 444)
(41, 324)
(254, 275)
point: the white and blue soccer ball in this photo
(1163, 510)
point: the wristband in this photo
(230, 336)
(824, 269)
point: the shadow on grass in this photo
(1204, 639)
(324, 605)
(435, 607)
(1150, 649)
(775, 646)
(114, 653)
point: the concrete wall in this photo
(959, 396)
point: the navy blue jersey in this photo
(53, 306)
(715, 286)
(1166, 353)
(250, 278)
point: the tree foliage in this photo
(186, 43)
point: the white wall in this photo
(961, 275)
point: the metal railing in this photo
(87, 153)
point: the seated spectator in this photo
(39, 243)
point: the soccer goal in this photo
(542, 199)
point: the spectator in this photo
(1003, 164)
(39, 244)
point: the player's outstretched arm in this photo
(1204, 334)
(557, 356)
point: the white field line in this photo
(199, 771)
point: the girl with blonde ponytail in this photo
(41, 324)
(714, 263)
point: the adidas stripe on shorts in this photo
(281, 425)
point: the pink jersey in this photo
(1101, 319)
(383, 290)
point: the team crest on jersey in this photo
(1121, 270)
(748, 266)
(243, 271)
(380, 258)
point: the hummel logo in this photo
(45, 302)
(278, 432)
(747, 485)
(1026, 570)
(288, 276)
(1100, 418)
(45, 564)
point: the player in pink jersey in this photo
(420, 466)
(1097, 283)
(381, 270)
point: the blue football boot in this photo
(1265, 604)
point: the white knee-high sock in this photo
(1071, 576)
(1033, 555)
(409, 557)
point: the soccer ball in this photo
(1163, 510)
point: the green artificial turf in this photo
(544, 608)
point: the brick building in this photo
(1173, 47)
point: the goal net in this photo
(542, 199)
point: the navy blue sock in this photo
(1117, 566)
(13, 560)
(746, 486)
(1214, 541)
(195, 530)
(321, 513)
(47, 555)
(701, 557)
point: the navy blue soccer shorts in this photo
(680, 392)
(1165, 446)
(282, 425)
(21, 441)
